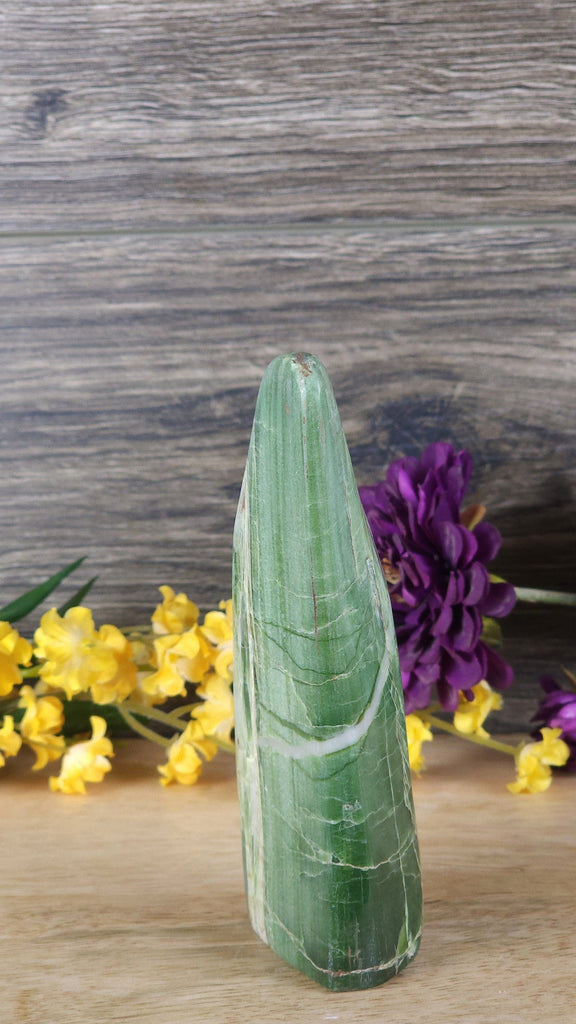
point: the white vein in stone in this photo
(348, 737)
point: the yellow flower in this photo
(176, 614)
(184, 762)
(75, 657)
(144, 658)
(142, 649)
(217, 628)
(125, 679)
(42, 720)
(471, 714)
(179, 658)
(533, 774)
(10, 741)
(85, 762)
(14, 651)
(418, 733)
(553, 751)
(216, 714)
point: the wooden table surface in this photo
(128, 904)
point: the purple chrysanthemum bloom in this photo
(557, 710)
(435, 566)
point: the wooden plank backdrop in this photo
(189, 188)
(218, 111)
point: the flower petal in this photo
(499, 601)
(488, 539)
(477, 583)
(460, 671)
(451, 542)
(498, 673)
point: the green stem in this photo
(8, 706)
(483, 741)
(142, 730)
(226, 745)
(160, 716)
(143, 711)
(30, 673)
(183, 709)
(533, 596)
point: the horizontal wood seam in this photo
(368, 224)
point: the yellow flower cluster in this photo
(140, 670)
(42, 721)
(205, 653)
(418, 733)
(14, 652)
(534, 761)
(85, 762)
(184, 762)
(135, 672)
(216, 714)
(471, 714)
(10, 741)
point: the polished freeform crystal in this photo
(330, 850)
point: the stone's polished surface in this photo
(330, 850)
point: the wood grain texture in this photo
(128, 904)
(188, 188)
(131, 367)
(274, 111)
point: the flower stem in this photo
(141, 729)
(128, 710)
(183, 709)
(7, 706)
(226, 745)
(483, 741)
(533, 596)
(175, 718)
(144, 711)
(30, 673)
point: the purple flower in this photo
(557, 710)
(435, 566)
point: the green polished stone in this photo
(330, 850)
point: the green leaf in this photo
(25, 604)
(77, 717)
(78, 597)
